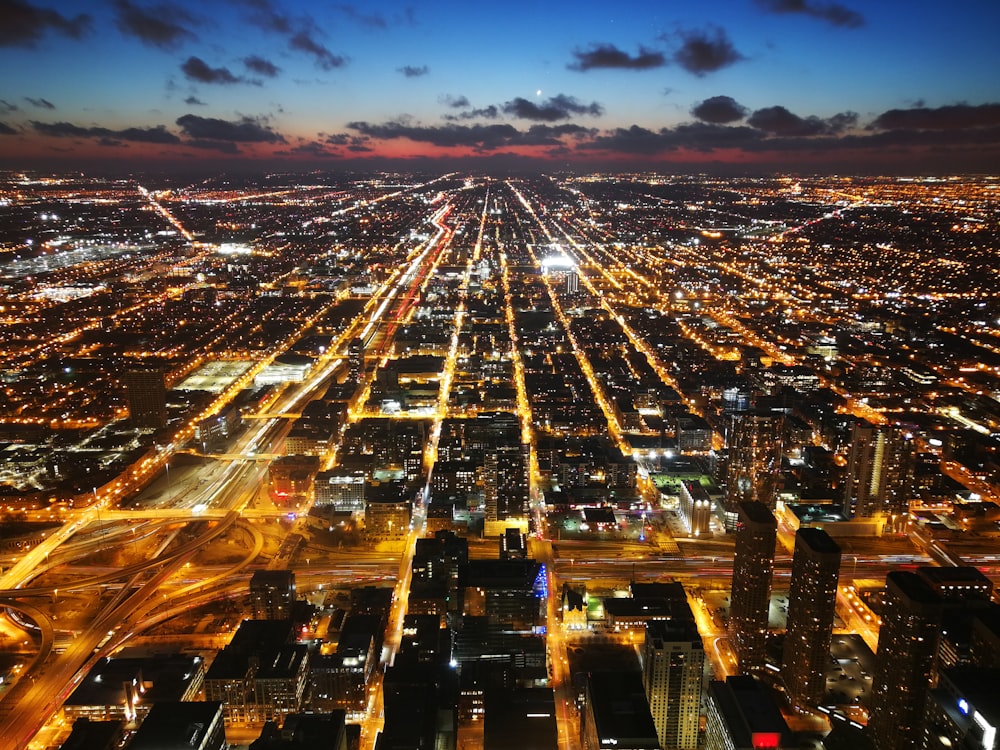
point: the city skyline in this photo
(749, 86)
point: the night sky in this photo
(886, 86)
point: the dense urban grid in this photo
(403, 461)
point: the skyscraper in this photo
(812, 600)
(146, 391)
(742, 715)
(673, 659)
(755, 444)
(904, 661)
(753, 568)
(879, 471)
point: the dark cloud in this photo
(560, 107)
(705, 51)
(194, 101)
(719, 110)
(158, 134)
(414, 71)
(260, 66)
(833, 13)
(159, 25)
(264, 16)
(487, 113)
(779, 121)
(952, 117)
(196, 69)
(6, 129)
(6, 106)
(324, 58)
(244, 130)
(609, 56)
(479, 137)
(310, 148)
(696, 136)
(457, 102)
(23, 24)
(372, 20)
(226, 147)
(375, 20)
(40, 103)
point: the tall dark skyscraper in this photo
(755, 444)
(812, 600)
(146, 391)
(904, 661)
(879, 471)
(753, 568)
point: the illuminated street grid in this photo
(599, 311)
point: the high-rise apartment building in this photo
(673, 660)
(904, 661)
(755, 445)
(753, 568)
(812, 599)
(879, 471)
(505, 477)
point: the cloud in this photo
(479, 137)
(487, 113)
(457, 102)
(705, 51)
(40, 103)
(6, 129)
(226, 147)
(244, 130)
(260, 66)
(719, 110)
(695, 136)
(324, 58)
(194, 101)
(6, 106)
(23, 24)
(779, 121)
(413, 71)
(832, 13)
(560, 107)
(196, 69)
(609, 56)
(265, 17)
(158, 26)
(375, 20)
(951, 117)
(158, 134)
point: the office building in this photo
(673, 660)
(812, 600)
(742, 715)
(904, 661)
(146, 391)
(753, 569)
(616, 713)
(178, 725)
(963, 711)
(272, 594)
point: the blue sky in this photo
(793, 82)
